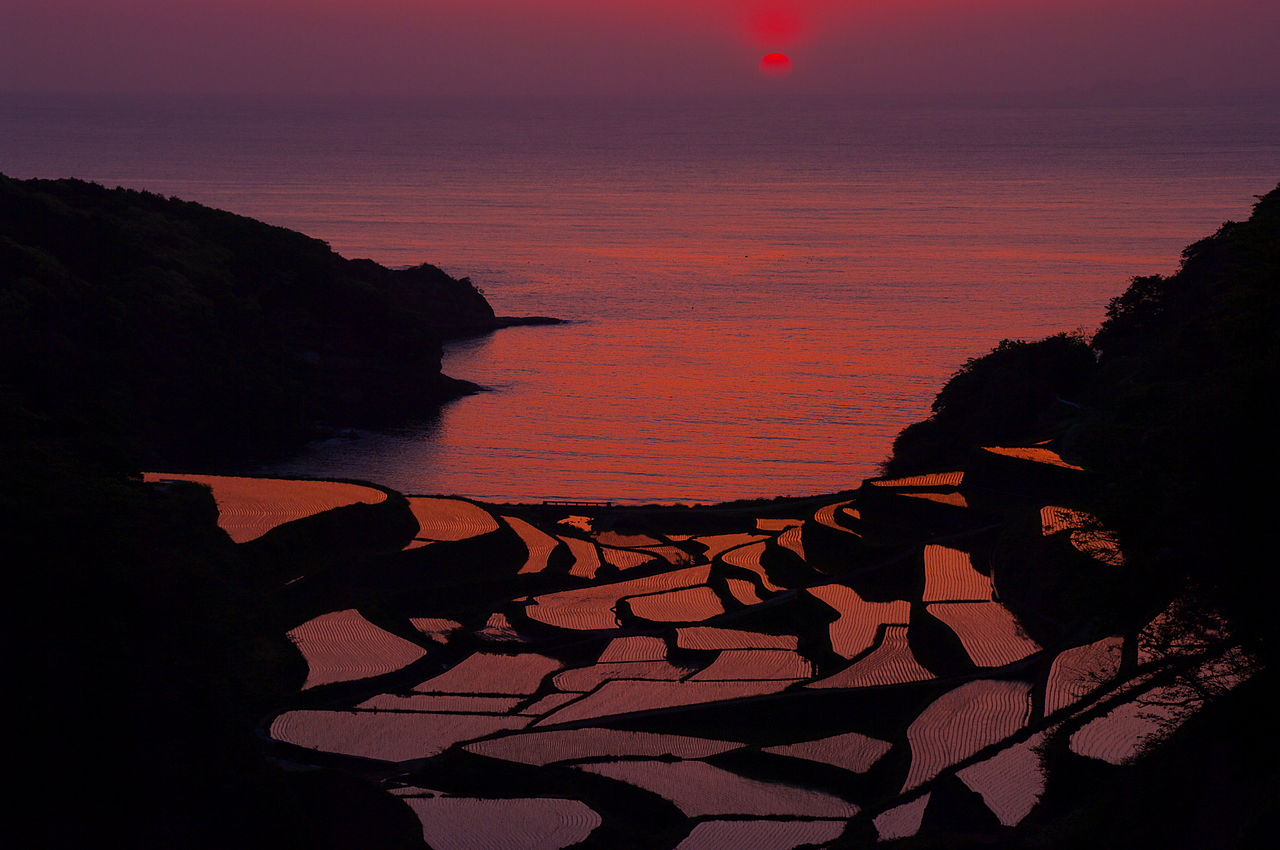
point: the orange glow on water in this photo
(776, 65)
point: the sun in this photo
(775, 65)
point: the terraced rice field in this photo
(933, 479)
(343, 646)
(1079, 671)
(539, 544)
(711, 638)
(623, 696)
(450, 519)
(891, 663)
(635, 648)
(956, 500)
(566, 679)
(490, 673)
(748, 558)
(468, 823)
(700, 789)
(626, 559)
(718, 543)
(791, 539)
(593, 607)
(851, 751)
(745, 664)
(387, 736)
(949, 576)
(1034, 454)
(586, 557)
(854, 631)
(963, 721)
(250, 507)
(902, 821)
(686, 605)
(572, 745)
(1011, 782)
(988, 631)
(626, 541)
(826, 515)
(761, 834)
(583, 679)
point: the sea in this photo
(760, 293)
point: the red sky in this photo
(471, 47)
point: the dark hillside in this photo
(180, 333)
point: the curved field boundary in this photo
(891, 663)
(250, 507)
(963, 721)
(686, 605)
(387, 736)
(537, 542)
(634, 648)
(626, 559)
(792, 539)
(711, 638)
(437, 629)
(470, 823)
(743, 591)
(1011, 782)
(775, 525)
(990, 633)
(490, 673)
(441, 518)
(1033, 454)
(748, 664)
(719, 543)
(956, 500)
(627, 696)
(699, 789)
(932, 479)
(567, 745)
(826, 515)
(748, 558)
(949, 576)
(854, 631)
(588, 608)
(584, 679)
(903, 821)
(761, 834)
(1080, 671)
(586, 557)
(851, 751)
(343, 646)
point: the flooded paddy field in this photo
(829, 671)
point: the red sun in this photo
(776, 65)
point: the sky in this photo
(571, 47)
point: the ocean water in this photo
(762, 292)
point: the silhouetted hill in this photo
(179, 332)
(1171, 406)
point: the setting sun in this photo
(776, 65)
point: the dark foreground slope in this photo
(178, 333)
(138, 331)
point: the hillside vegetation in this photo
(176, 333)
